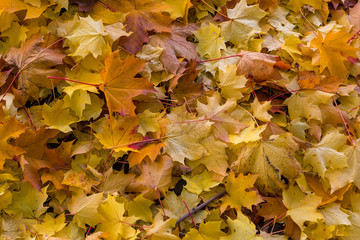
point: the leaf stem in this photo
(162, 207)
(342, 118)
(31, 122)
(352, 38)
(107, 160)
(204, 204)
(107, 6)
(70, 80)
(216, 59)
(192, 219)
(278, 95)
(216, 10)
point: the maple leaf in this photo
(267, 159)
(326, 154)
(260, 110)
(178, 8)
(120, 86)
(175, 45)
(223, 123)
(35, 64)
(29, 201)
(333, 50)
(9, 129)
(115, 182)
(309, 80)
(143, 17)
(58, 116)
(210, 43)
(306, 104)
(322, 6)
(119, 133)
(231, 84)
(243, 23)
(50, 225)
(155, 177)
(354, 16)
(240, 193)
(327, 197)
(183, 134)
(149, 122)
(140, 207)
(85, 207)
(81, 180)
(175, 207)
(301, 207)
(272, 208)
(87, 37)
(112, 220)
(17, 5)
(151, 151)
(161, 229)
(187, 90)
(259, 66)
(37, 155)
(216, 161)
(207, 231)
(199, 182)
(340, 178)
(241, 228)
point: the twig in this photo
(204, 204)
(342, 118)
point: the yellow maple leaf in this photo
(58, 117)
(271, 160)
(260, 110)
(119, 133)
(113, 221)
(302, 207)
(207, 231)
(333, 50)
(210, 42)
(241, 228)
(199, 182)
(178, 8)
(50, 225)
(184, 134)
(240, 192)
(9, 129)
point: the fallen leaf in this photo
(120, 84)
(258, 66)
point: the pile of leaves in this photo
(193, 119)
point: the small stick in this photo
(204, 204)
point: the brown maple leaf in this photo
(37, 155)
(155, 177)
(175, 45)
(310, 80)
(145, 16)
(259, 66)
(120, 84)
(34, 64)
(187, 90)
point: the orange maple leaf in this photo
(120, 84)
